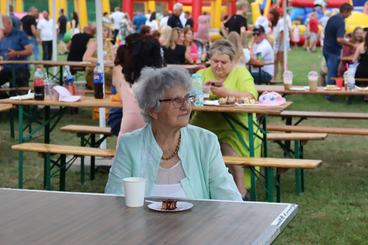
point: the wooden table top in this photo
(259, 109)
(86, 101)
(304, 90)
(90, 101)
(48, 63)
(40, 217)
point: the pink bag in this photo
(271, 98)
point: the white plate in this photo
(180, 206)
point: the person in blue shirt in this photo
(15, 20)
(333, 41)
(138, 21)
(14, 46)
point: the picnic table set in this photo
(269, 218)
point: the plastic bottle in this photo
(69, 80)
(38, 84)
(350, 77)
(197, 89)
(98, 74)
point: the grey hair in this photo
(152, 85)
(178, 6)
(223, 47)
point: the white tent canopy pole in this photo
(99, 34)
(286, 34)
(54, 35)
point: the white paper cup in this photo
(134, 191)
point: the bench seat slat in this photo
(64, 149)
(316, 129)
(86, 129)
(296, 136)
(273, 162)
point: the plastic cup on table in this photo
(340, 82)
(134, 191)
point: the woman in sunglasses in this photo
(176, 159)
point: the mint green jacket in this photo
(206, 177)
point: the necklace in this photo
(175, 152)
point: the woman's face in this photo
(105, 33)
(181, 37)
(221, 64)
(189, 36)
(359, 35)
(175, 110)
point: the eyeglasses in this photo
(256, 34)
(178, 102)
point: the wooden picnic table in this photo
(297, 89)
(42, 217)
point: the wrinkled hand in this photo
(11, 54)
(219, 91)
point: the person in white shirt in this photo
(116, 18)
(45, 26)
(279, 34)
(152, 22)
(262, 57)
(163, 21)
(263, 21)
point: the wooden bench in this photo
(5, 107)
(283, 140)
(87, 136)
(317, 129)
(63, 150)
(278, 163)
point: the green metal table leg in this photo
(20, 141)
(47, 171)
(251, 154)
(278, 187)
(92, 170)
(264, 138)
(47, 125)
(298, 178)
(62, 172)
(12, 134)
(82, 169)
(269, 184)
(30, 118)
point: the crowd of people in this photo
(157, 102)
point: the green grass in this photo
(334, 208)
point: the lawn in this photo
(334, 208)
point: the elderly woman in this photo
(228, 79)
(176, 159)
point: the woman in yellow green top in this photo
(228, 79)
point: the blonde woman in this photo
(174, 52)
(234, 39)
(165, 36)
(109, 56)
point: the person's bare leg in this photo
(281, 62)
(276, 67)
(236, 171)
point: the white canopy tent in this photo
(99, 34)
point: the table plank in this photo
(34, 217)
(86, 101)
(299, 90)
